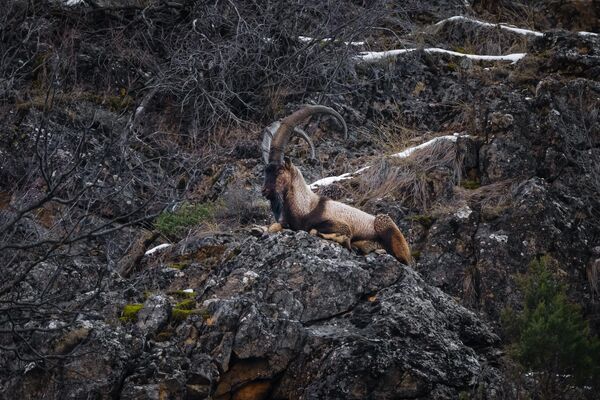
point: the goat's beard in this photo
(277, 206)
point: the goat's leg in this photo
(392, 239)
(337, 231)
(366, 246)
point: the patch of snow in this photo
(157, 248)
(378, 55)
(464, 212)
(403, 154)
(410, 150)
(307, 39)
(506, 27)
(188, 290)
(362, 169)
(499, 238)
(514, 57)
(74, 2)
(371, 56)
(330, 179)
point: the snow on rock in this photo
(403, 154)
(157, 248)
(410, 150)
(378, 55)
(506, 27)
(331, 179)
(309, 39)
(371, 56)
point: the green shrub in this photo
(187, 304)
(130, 311)
(182, 294)
(178, 265)
(550, 337)
(425, 220)
(470, 184)
(178, 314)
(175, 224)
(185, 308)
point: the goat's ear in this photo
(288, 162)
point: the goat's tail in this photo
(392, 239)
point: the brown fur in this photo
(392, 239)
(294, 204)
(366, 246)
(304, 210)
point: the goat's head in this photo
(279, 171)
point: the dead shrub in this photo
(416, 181)
(491, 199)
(241, 206)
(471, 38)
(472, 285)
(592, 272)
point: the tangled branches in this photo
(108, 108)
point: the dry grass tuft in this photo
(491, 199)
(240, 207)
(393, 135)
(415, 181)
(471, 38)
(472, 285)
(592, 272)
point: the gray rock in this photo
(334, 324)
(154, 315)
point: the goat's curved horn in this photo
(282, 135)
(307, 139)
(268, 138)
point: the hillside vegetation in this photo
(135, 258)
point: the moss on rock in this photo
(130, 311)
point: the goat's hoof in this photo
(274, 228)
(380, 251)
(313, 232)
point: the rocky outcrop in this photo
(286, 316)
(245, 315)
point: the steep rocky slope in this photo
(100, 139)
(283, 316)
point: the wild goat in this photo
(295, 206)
